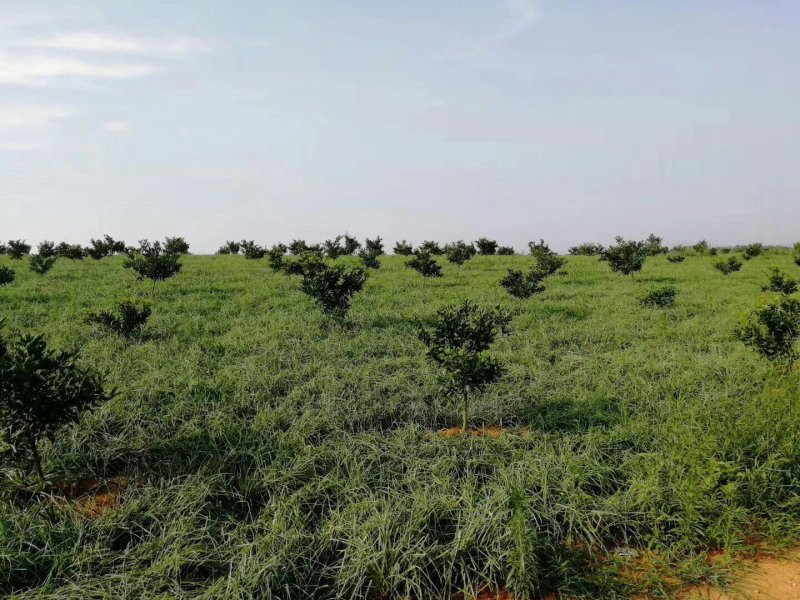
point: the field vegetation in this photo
(295, 431)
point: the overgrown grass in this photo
(273, 457)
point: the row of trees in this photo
(345, 245)
(96, 249)
(653, 245)
(154, 261)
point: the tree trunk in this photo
(37, 460)
(466, 401)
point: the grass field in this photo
(262, 454)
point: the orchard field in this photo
(254, 449)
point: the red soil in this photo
(90, 497)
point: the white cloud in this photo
(37, 70)
(30, 118)
(24, 144)
(28, 127)
(108, 43)
(117, 126)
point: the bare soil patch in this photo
(766, 578)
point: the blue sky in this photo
(517, 119)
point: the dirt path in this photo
(767, 578)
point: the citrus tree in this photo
(126, 320)
(153, 261)
(586, 249)
(70, 251)
(726, 267)
(424, 264)
(486, 247)
(176, 245)
(773, 329)
(16, 249)
(42, 264)
(523, 285)
(41, 391)
(46, 249)
(457, 341)
(7, 275)
(333, 287)
(459, 252)
(403, 248)
(251, 250)
(626, 257)
(780, 282)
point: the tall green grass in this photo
(273, 456)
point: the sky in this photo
(271, 120)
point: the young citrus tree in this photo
(539, 248)
(773, 329)
(424, 264)
(505, 251)
(486, 247)
(369, 259)
(431, 247)
(41, 390)
(307, 263)
(46, 249)
(350, 245)
(586, 249)
(70, 251)
(547, 261)
(779, 282)
(374, 247)
(276, 256)
(42, 264)
(251, 250)
(550, 264)
(333, 287)
(96, 249)
(626, 257)
(114, 246)
(403, 248)
(459, 252)
(653, 245)
(297, 247)
(753, 250)
(152, 261)
(7, 275)
(176, 245)
(457, 342)
(108, 246)
(676, 258)
(661, 297)
(229, 247)
(726, 267)
(523, 285)
(17, 249)
(126, 321)
(333, 248)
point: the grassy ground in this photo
(269, 456)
